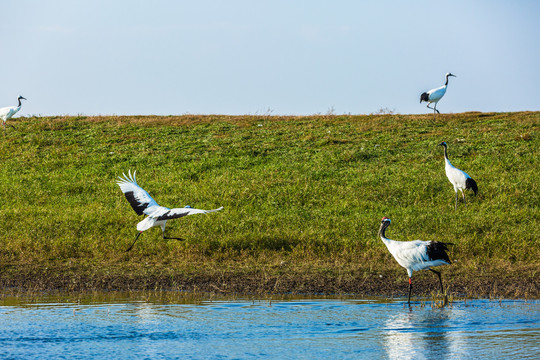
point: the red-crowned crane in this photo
(434, 95)
(143, 203)
(416, 255)
(7, 112)
(460, 179)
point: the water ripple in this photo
(305, 328)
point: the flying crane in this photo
(143, 203)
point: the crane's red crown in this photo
(385, 218)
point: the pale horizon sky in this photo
(268, 57)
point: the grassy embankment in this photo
(303, 200)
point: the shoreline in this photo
(388, 283)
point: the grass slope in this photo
(303, 200)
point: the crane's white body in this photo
(434, 95)
(415, 255)
(7, 112)
(412, 255)
(143, 203)
(459, 179)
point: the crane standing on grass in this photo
(143, 203)
(434, 95)
(7, 112)
(416, 255)
(460, 179)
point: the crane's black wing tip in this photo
(136, 205)
(471, 184)
(437, 251)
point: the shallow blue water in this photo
(299, 329)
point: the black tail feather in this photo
(424, 97)
(471, 184)
(436, 250)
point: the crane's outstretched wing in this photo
(138, 198)
(163, 213)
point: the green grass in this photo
(305, 191)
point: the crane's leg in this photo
(440, 280)
(455, 208)
(442, 288)
(410, 289)
(163, 232)
(433, 108)
(463, 193)
(172, 238)
(4, 124)
(136, 237)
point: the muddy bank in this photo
(387, 283)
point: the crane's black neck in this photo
(19, 102)
(446, 83)
(382, 230)
(445, 152)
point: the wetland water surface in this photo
(244, 329)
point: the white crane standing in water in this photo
(434, 95)
(143, 203)
(460, 179)
(416, 255)
(7, 112)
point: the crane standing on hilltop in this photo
(143, 203)
(434, 95)
(7, 112)
(416, 255)
(460, 179)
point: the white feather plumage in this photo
(7, 112)
(434, 95)
(143, 203)
(458, 178)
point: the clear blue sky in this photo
(284, 57)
